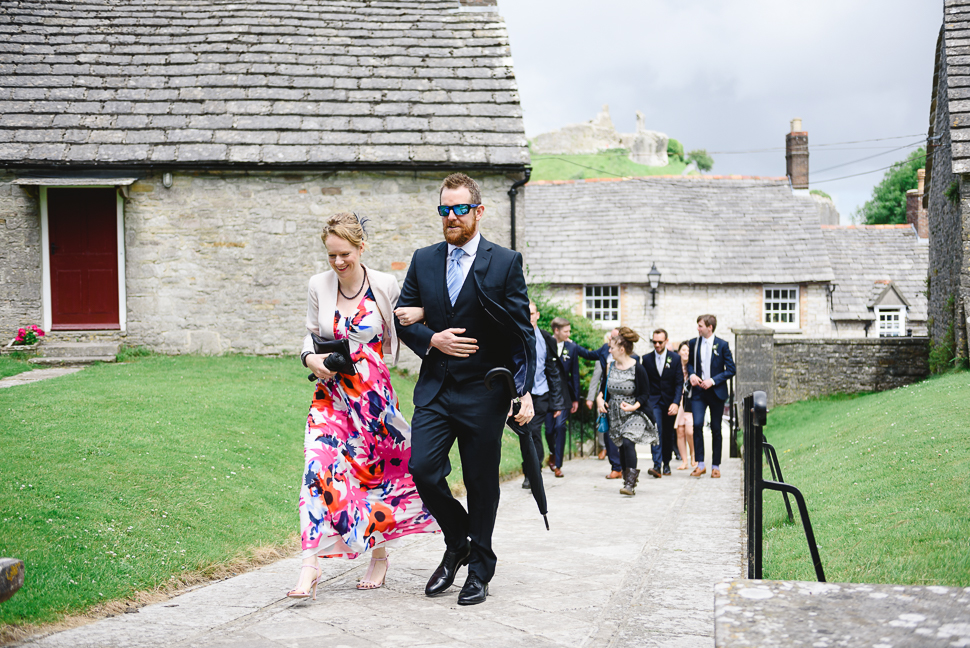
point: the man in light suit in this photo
(709, 367)
(666, 383)
(569, 354)
(476, 318)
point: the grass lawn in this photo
(132, 477)
(606, 164)
(887, 481)
(13, 364)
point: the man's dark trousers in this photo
(612, 453)
(540, 404)
(668, 436)
(702, 399)
(556, 434)
(475, 417)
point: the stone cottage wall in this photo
(20, 259)
(220, 261)
(949, 227)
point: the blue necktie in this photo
(455, 278)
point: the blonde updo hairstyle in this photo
(626, 337)
(346, 226)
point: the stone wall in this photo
(679, 305)
(220, 261)
(790, 370)
(20, 253)
(949, 229)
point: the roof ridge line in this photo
(664, 177)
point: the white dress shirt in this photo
(707, 346)
(468, 258)
(559, 348)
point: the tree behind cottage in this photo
(888, 203)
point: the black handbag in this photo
(339, 360)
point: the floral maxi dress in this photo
(357, 492)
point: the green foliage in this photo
(819, 192)
(128, 353)
(613, 163)
(675, 150)
(944, 355)
(887, 471)
(14, 363)
(952, 192)
(888, 203)
(137, 476)
(700, 157)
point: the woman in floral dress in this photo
(357, 494)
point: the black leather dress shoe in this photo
(473, 592)
(444, 575)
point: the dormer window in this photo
(891, 320)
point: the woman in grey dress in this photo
(623, 395)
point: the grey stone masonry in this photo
(292, 82)
(20, 268)
(789, 614)
(698, 230)
(812, 368)
(947, 197)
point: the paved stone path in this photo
(34, 375)
(613, 571)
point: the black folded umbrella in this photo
(532, 467)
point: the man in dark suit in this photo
(548, 391)
(569, 354)
(709, 367)
(666, 383)
(476, 318)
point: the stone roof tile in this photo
(192, 83)
(697, 230)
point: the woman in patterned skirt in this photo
(623, 396)
(357, 494)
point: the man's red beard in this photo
(461, 234)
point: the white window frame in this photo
(602, 292)
(891, 331)
(771, 295)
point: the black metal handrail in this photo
(755, 415)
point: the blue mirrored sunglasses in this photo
(460, 210)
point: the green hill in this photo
(887, 480)
(613, 163)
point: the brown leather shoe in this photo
(552, 462)
(602, 455)
(653, 472)
(557, 472)
(615, 474)
(715, 473)
(698, 472)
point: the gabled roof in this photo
(698, 230)
(283, 82)
(885, 292)
(870, 260)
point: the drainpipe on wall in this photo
(512, 191)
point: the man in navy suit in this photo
(709, 367)
(569, 354)
(476, 318)
(548, 391)
(666, 383)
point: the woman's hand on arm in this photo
(629, 407)
(314, 363)
(408, 315)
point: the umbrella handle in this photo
(499, 373)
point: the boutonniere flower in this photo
(714, 348)
(667, 364)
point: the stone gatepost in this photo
(754, 355)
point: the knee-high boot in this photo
(630, 478)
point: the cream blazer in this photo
(322, 303)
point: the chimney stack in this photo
(916, 214)
(796, 155)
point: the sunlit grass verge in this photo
(13, 364)
(887, 482)
(125, 480)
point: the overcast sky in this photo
(729, 75)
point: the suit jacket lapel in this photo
(482, 259)
(441, 276)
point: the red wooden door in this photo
(82, 225)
